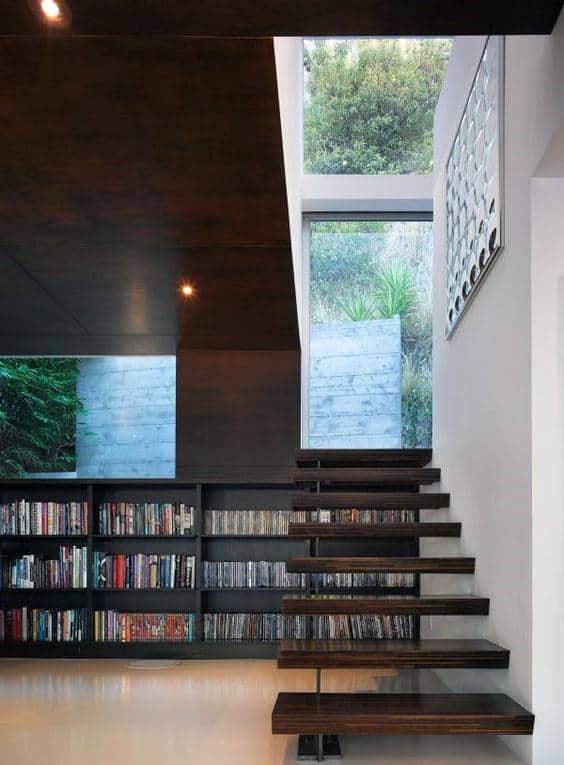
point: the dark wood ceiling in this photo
(259, 18)
(129, 165)
(137, 152)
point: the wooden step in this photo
(365, 457)
(428, 605)
(370, 530)
(427, 654)
(369, 475)
(406, 713)
(386, 563)
(375, 500)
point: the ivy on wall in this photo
(38, 410)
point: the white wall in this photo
(547, 293)
(482, 376)
(288, 54)
(367, 193)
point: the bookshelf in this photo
(203, 496)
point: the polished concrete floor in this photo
(191, 713)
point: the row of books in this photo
(386, 579)
(263, 573)
(258, 626)
(364, 516)
(252, 573)
(41, 625)
(147, 518)
(362, 627)
(43, 571)
(22, 517)
(144, 571)
(120, 627)
(251, 522)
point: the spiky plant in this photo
(395, 293)
(358, 307)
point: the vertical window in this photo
(370, 333)
(369, 105)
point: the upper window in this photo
(369, 105)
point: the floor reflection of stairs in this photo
(382, 480)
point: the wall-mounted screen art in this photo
(474, 193)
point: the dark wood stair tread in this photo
(374, 457)
(385, 604)
(386, 563)
(367, 475)
(390, 713)
(320, 654)
(376, 500)
(383, 530)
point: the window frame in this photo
(307, 219)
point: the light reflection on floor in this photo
(83, 712)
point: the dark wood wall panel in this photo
(128, 165)
(238, 414)
(241, 18)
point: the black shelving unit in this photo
(202, 495)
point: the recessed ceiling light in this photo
(50, 9)
(187, 290)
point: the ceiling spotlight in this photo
(50, 9)
(187, 290)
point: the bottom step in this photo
(390, 713)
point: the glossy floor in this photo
(191, 713)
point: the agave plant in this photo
(395, 292)
(358, 306)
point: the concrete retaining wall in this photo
(355, 385)
(128, 427)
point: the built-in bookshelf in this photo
(173, 569)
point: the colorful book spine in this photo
(120, 571)
(145, 519)
(24, 518)
(125, 627)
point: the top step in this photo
(363, 457)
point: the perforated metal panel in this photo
(474, 196)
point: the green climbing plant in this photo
(38, 410)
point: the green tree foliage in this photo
(38, 409)
(416, 404)
(369, 105)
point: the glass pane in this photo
(370, 334)
(369, 105)
(103, 417)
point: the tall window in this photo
(370, 332)
(369, 105)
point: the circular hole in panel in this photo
(492, 241)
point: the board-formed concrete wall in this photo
(355, 385)
(129, 423)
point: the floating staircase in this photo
(381, 479)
